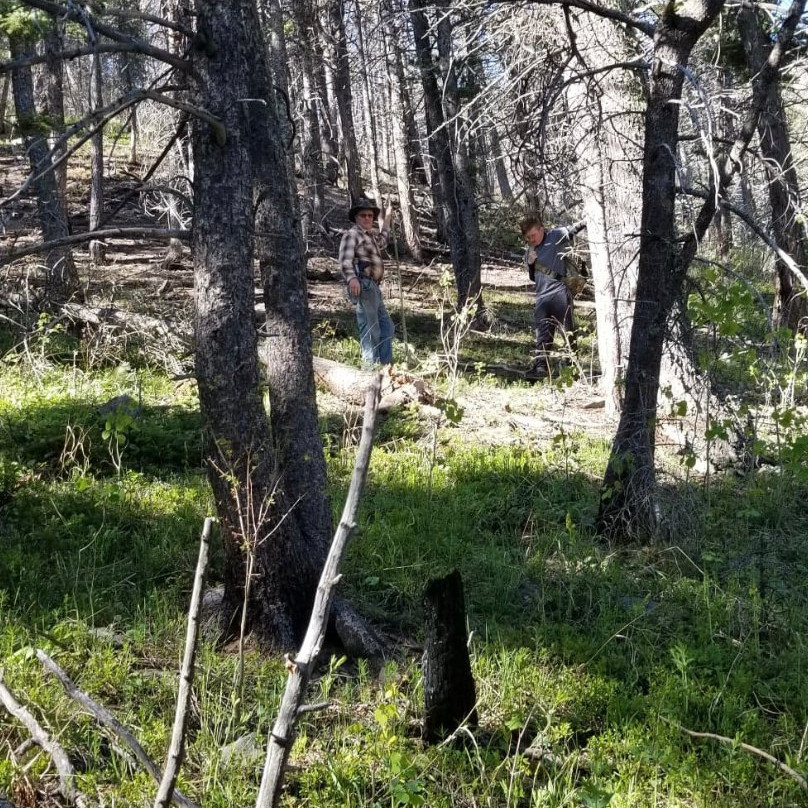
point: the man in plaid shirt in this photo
(362, 267)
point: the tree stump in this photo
(449, 691)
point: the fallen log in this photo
(345, 382)
(350, 384)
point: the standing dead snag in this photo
(283, 732)
(449, 692)
(176, 749)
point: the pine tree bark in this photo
(242, 466)
(96, 248)
(288, 353)
(61, 278)
(628, 503)
(790, 301)
(344, 97)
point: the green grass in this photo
(589, 656)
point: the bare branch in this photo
(313, 708)
(128, 14)
(280, 738)
(103, 115)
(74, 53)
(593, 8)
(154, 166)
(788, 260)
(110, 233)
(732, 164)
(67, 775)
(177, 746)
(198, 112)
(745, 746)
(137, 45)
(106, 719)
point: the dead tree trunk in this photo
(4, 103)
(367, 108)
(628, 505)
(61, 280)
(608, 158)
(790, 303)
(395, 78)
(500, 171)
(96, 163)
(278, 60)
(452, 190)
(450, 696)
(470, 285)
(54, 43)
(311, 143)
(344, 97)
(326, 109)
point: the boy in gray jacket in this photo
(545, 261)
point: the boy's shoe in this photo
(537, 370)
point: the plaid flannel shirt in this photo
(363, 248)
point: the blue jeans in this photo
(376, 329)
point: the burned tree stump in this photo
(449, 692)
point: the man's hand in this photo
(354, 287)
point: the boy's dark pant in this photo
(553, 309)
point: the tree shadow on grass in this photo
(59, 437)
(83, 536)
(578, 641)
(100, 549)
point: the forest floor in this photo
(592, 661)
(136, 278)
